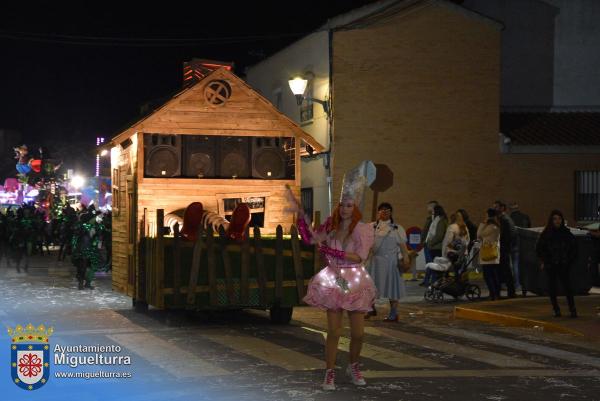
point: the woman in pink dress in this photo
(343, 284)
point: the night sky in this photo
(62, 80)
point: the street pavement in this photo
(241, 356)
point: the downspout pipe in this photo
(330, 125)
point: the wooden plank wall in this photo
(173, 194)
(124, 161)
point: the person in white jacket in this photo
(457, 230)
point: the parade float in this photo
(36, 182)
(221, 144)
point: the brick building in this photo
(416, 85)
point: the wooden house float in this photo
(218, 142)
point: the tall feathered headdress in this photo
(356, 182)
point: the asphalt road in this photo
(241, 356)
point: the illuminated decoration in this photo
(99, 141)
(196, 69)
(77, 181)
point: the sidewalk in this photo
(536, 312)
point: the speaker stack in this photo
(162, 155)
(234, 157)
(206, 156)
(199, 156)
(268, 158)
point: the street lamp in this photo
(298, 86)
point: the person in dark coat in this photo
(557, 250)
(520, 219)
(470, 226)
(507, 239)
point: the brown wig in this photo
(462, 227)
(336, 219)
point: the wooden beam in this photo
(226, 183)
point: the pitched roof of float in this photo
(224, 73)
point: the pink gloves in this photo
(304, 231)
(334, 253)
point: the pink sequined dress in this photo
(343, 285)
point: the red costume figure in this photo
(195, 215)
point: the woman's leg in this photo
(489, 280)
(334, 331)
(427, 278)
(564, 275)
(357, 332)
(552, 275)
(496, 279)
(393, 306)
(393, 315)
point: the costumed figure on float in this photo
(195, 216)
(343, 284)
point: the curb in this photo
(510, 320)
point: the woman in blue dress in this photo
(388, 256)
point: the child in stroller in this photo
(454, 271)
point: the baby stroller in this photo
(455, 281)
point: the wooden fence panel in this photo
(245, 269)
(260, 267)
(195, 269)
(297, 262)
(226, 266)
(160, 258)
(212, 267)
(279, 264)
(177, 266)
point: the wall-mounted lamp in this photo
(298, 86)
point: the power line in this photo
(140, 42)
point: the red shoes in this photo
(192, 218)
(239, 222)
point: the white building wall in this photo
(308, 57)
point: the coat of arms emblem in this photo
(30, 355)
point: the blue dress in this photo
(383, 264)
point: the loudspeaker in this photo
(162, 155)
(234, 157)
(268, 158)
(199, 156)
